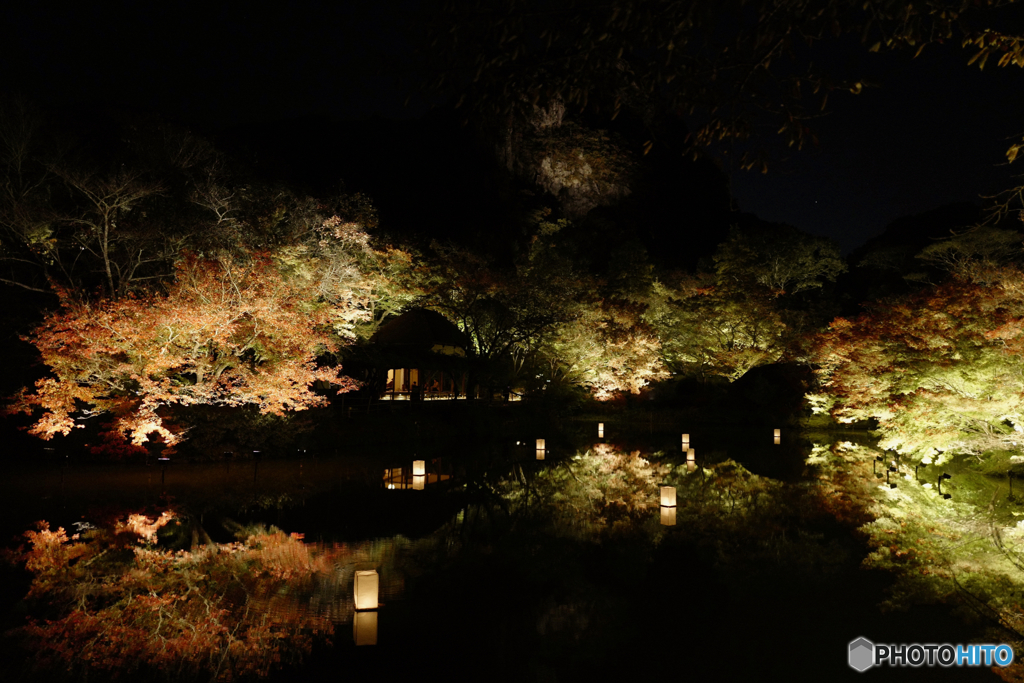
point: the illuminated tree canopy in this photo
(226, 333)
(546, 318)
(242, 328)
(940, 370)
(753, 309)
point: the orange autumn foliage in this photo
(112, 614)
(228, 332)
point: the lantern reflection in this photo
(668, 516)
(418, 481)
(364, 628)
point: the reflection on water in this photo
(569, 563)
(668, 515)
(371, 569)
(550, 569)
(419, 476)
(364, 628)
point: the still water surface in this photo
(485, 574)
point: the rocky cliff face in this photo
(583, 168)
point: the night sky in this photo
(934, 131)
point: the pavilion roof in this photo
(420, 327)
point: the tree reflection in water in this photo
(542, 569)
(114, 600)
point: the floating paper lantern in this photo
(691, 455)
(778, 433)
(418, 481)
(419, 467)
(364, 628)
(690, 466)
(540, 449)
(778, 441)
(600, 430)
(686, 441)
(367, 585)
(668, 496)
(668, 516)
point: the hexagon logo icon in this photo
(862, 654)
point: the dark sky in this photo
(935, 131)
(216, 64)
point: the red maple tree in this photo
(229, 331)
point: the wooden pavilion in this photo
(425, 356)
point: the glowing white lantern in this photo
(600, 430)
(686, 441)
(419, 467)
(690, 466)
(540, 449)
(668, 516)
(778, 433)
(668, 496)
(778, 441)
(418, 480)
(364, 628)
(691, 455)
(367, 585)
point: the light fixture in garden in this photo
(668, 495)
(600, 430)
(668, 515)
(367, 588)
(419, 467)
(541, 449)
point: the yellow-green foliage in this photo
(580, 155)
(941, 371)
(965, 551)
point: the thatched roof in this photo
(420, 327)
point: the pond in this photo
(501, 566)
